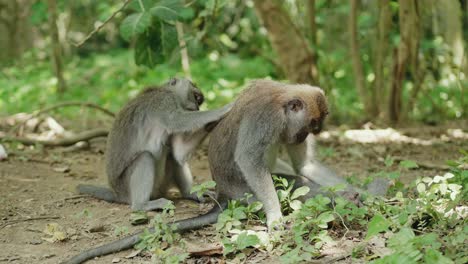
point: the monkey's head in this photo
(190, 96)
(305, 111)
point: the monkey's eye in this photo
(199, 98)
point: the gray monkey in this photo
(243, 153)
(150, 143)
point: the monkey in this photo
(150, 143)
(243, 150)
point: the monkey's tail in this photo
(102, 193)
(182, 225)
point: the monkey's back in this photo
(260, 109)
(255, 104)
(132, 125)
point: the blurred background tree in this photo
(383, 61)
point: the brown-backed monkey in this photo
(150, 143)
(243, 148)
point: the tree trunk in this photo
(294, 54)
(380, 54)
(56, 48)
(15, 29)
(357, 64)
(406, 54)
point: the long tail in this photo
(127, 242)
(102, 193)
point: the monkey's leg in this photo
(141, 176)
(304, 163)
(183, 179)
(261, 183)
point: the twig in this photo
(28, 219)
(79, 44)
(63, 142)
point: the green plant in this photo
(288, 198)
(162, 236)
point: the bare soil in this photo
(37, 188)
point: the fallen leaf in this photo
(63, 169)
(133, 254)
(205, 249)
(115, 260)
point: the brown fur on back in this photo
(260, 104)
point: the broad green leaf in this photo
(377, 224)
(433, 256)
(169, 39)
(245, 241)
(135, 24)
(167, 10)
(295, 205)
(148, 49)
(408, 164)
(301, 191)
(388, 161)
(141, 5)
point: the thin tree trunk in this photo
(294, 53)
(313, 34)
(56, 48)
(380, 55)
(184, 57)
(357, 65)
(406, 54)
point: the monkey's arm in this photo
(249, 155)
(186, 121)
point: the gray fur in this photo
(150, 143)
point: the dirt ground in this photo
(37, 188)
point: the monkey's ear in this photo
(173, 81)
(295, 105)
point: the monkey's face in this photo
(304, 118)
(190, 96)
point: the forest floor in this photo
(37, 188)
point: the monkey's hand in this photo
(210, 126)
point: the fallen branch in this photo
(27, 219)
(62, 142)
(79, 44)
(425, 165)
(66, 104)
(60, 105)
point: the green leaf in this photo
(388, 161)
(296, 205)
(135, 24)
(167, 10)
(139, 218)
(148, 49)
(141, 5)
(408, 164)
(377, 224)
(169, 39)
(301, 191)
(245, 241)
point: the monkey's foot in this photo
(156, 204)
(208, 194)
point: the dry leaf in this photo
(133, 254)
(56, 233)
(205, 249)
(63, 169)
